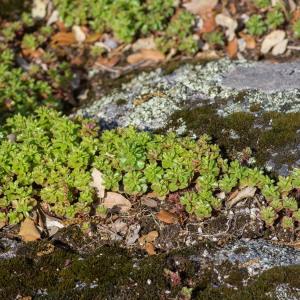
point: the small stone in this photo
(280, 48)
(39, 9)
(79, 34)
(271, 40)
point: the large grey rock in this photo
(175, 101)
(265, 77)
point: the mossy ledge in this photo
(115, 273)
(47, 159)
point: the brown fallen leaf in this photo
(209, 22)
(33, 53)
(249, 40)
(166, 217)
(63, 39)
(149, 202)
(232, 48)
(148, 238)
(93, 37)
(246, 192)
(207, 55)
(144, 55)
(28, 231)
(98, 183)
(108, 61)
(113, 199)
(150, 249)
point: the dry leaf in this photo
(79, 34)
(229, 23)
(246, 192)
(63, 39)
(207, 55)
(199, 6)
(53, 17)
(280, 48)
(93, 37)
(209, 22)
(150, 249)
(149, 202)
(33, 53)
(250, 40)
(133, 234)
(119, 227)
(108, 61)
(148, 238)
(232, 48)
(271, 40)
(144, 55)
(28, 231)
(166, 217)
(98, 183)
(144, 43)
(116, 200)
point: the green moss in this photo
(111, 272)
(261, 287)
(283, 129)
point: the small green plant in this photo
(214, 38)
(22, 93)
(29, 42)
(47, 158)
(275, 18)
(256, 25)
(287, 223)
(268, 215)
(262, 3)
(178, 34)
(290, 204)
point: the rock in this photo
(265, 77)
(280, 48)
(79, 34)
(39, 9)
(230, 100)
(271, 40)
(54, 17)
(98, 183)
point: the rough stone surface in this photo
(265, 77)
(150, 100)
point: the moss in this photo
(261, 287)
(11, 8)
(115, 273)
(270, 130)
(121, 102)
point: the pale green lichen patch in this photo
(187, 85)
